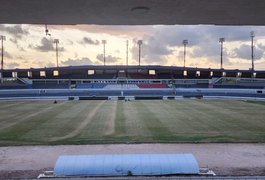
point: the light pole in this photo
(3, 38)
(252, 35)
(56, 41)
(104, 42)
(184, 42)
(140, 42)
(127, 47)
(221, 41)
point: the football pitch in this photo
(143, 121)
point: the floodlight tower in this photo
(56, 41)
(252, 35)
(184, 42)
(221, 41)
(2, 38)
(127, 47)
(104, 42)
(140, 42)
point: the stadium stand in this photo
(244, 83)
(191, 83)
(140, 76)
(164, 76)
(50, 84)
(91, 86)
(13, 83)
(121, 86)
(152, 86)
(129, 77)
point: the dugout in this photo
(126, 165)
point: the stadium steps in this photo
(25, 80)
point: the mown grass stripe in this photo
(156, 127)
(18, 130)
(136, 122)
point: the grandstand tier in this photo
(130, 72)
(126, 77)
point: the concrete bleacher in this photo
(13, 83)
(15, 86)
(141, 80)
(50, 86)
(191, 83)
(152, 85)
(244, 83)
(121, 86)
(91, 86)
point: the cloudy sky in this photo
(27, 45)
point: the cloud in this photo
(73, 62)
(203, 42)
(15, 30)
(109, 58)
(160, 43)
(211, 53)
(174, 34)
(46, 45)
(15, 41)
(50, 64)
(69, 42)
(41, 63)
(6, 54)
(206, 50)
(12, 65)
(166, 41)
(153, 51)
(89, 41)
(205, 33)
(115, 30)
(244, 52)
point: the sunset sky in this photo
(27, 45)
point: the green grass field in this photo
(90, 122)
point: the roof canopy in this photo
(133, 12)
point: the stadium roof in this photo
(126, 164)
(133, 12)
(123, 67)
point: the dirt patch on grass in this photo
(82, 125)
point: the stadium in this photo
(106, 104)
(129, 121)
(155, 82)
